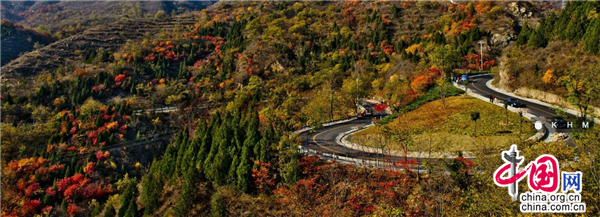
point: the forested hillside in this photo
(218, 93)
(17, 40)
(561, 56)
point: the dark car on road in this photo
(514, 102)
(559, 122)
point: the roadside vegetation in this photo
(560, 56)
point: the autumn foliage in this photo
(37, 181)
(473, 62)
(425, 80)
(351, 190)
(262, 177)
(380, 107)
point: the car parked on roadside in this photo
(514, 102)
(558, 122)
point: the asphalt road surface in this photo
(323, 141)
(478, 85)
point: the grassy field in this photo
(449, 129)
(431, 95)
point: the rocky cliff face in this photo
(522, 10)
(503, 37)
(502, 77)
(520, 13)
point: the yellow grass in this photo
(450, 129)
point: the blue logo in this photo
(571, 181)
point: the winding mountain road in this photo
(323, 141)
(478, 85)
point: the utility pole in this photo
(481, 55)
(357, 97)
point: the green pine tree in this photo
(591, 39)
(151, 185)
(189, 156)
(188, 193)
(244, 168)
(110, 211)
(63, 205)
(536, 39)
(217, 205)
(217, 157)
(45, 199)
(222, 162)
(127, 198)
(291, 170)
(524, 35)
(97, 210)
(131, 209)
(205, 146)
(181, 148)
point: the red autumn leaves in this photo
(164, 49)
(112, 123)
(250, 67)
(34, 177)
(387, 48)
(380, 107)
(321, 183)
(459, 26)
(261, 175)
(473, 62)
(465, 165)
(81, 187)
(26, 165)
(102, 156)
(119, 79)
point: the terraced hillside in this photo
(64, 18)
(65, 52)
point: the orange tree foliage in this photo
(72, 209)
(483, 6)
(473, 62)
(457, 27)
(119, 79)
(549, 77)
(262, 177)
(425, 80)
(461, 26)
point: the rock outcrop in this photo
(503, 37)
(521, 10)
